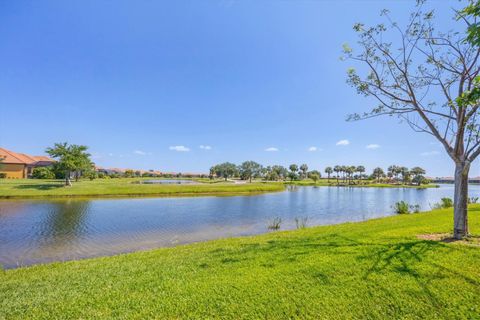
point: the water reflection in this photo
(36, 231)
(66, 220)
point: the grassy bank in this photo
(377, 269)
(32, 188)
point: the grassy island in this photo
(131, 187)
(379, 269)
(124, 187)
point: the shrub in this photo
(415, 208)
(401, 207)
(301, 223)
(274, 224)
(443, 204)
(472, 200)
(101, 175)
(43, 173)
(92, 175)
(446, 202)
(3, 175)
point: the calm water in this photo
(35, 231)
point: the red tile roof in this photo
(8, 156)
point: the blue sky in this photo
(145, 84)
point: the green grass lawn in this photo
(25, 188)
(377, 269)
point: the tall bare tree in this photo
(429, 79)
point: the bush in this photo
(92, 175)
(443, 204)
(3, 175)
(447, 202)
(43, 173)
(472, 200)
(401, 207)
(58, 171)
(415, 208)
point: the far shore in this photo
(129, 187)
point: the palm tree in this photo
(304, 169)
(405, 174)
(418, 173)
(378, 173)
(360, 170)
(337, 170)
(293, 171)
(328, 171)
(343, 170)
(350, 171)
(394, 171)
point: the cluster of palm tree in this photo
(395, 174)
(400, 174)
(347, 173)
(343, 174)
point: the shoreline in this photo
(312, 265)
(126, 188)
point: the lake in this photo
(38, 231)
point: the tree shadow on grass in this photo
(288, 250)
(375, 261)
(404, 258)
(39, 186)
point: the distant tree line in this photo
(73, 162)
(342, 174)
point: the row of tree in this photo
(249, 170)
(73, 161)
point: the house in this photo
(20, 165)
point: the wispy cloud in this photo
(205, 147)
(372, 146)
(179, 148)
(344, 142)
(141, 153)
(271, 149)
(312, 149)
(429, 153)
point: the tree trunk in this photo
(460, 217)
(68, 183)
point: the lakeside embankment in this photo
(129, 187)
(376, 269)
